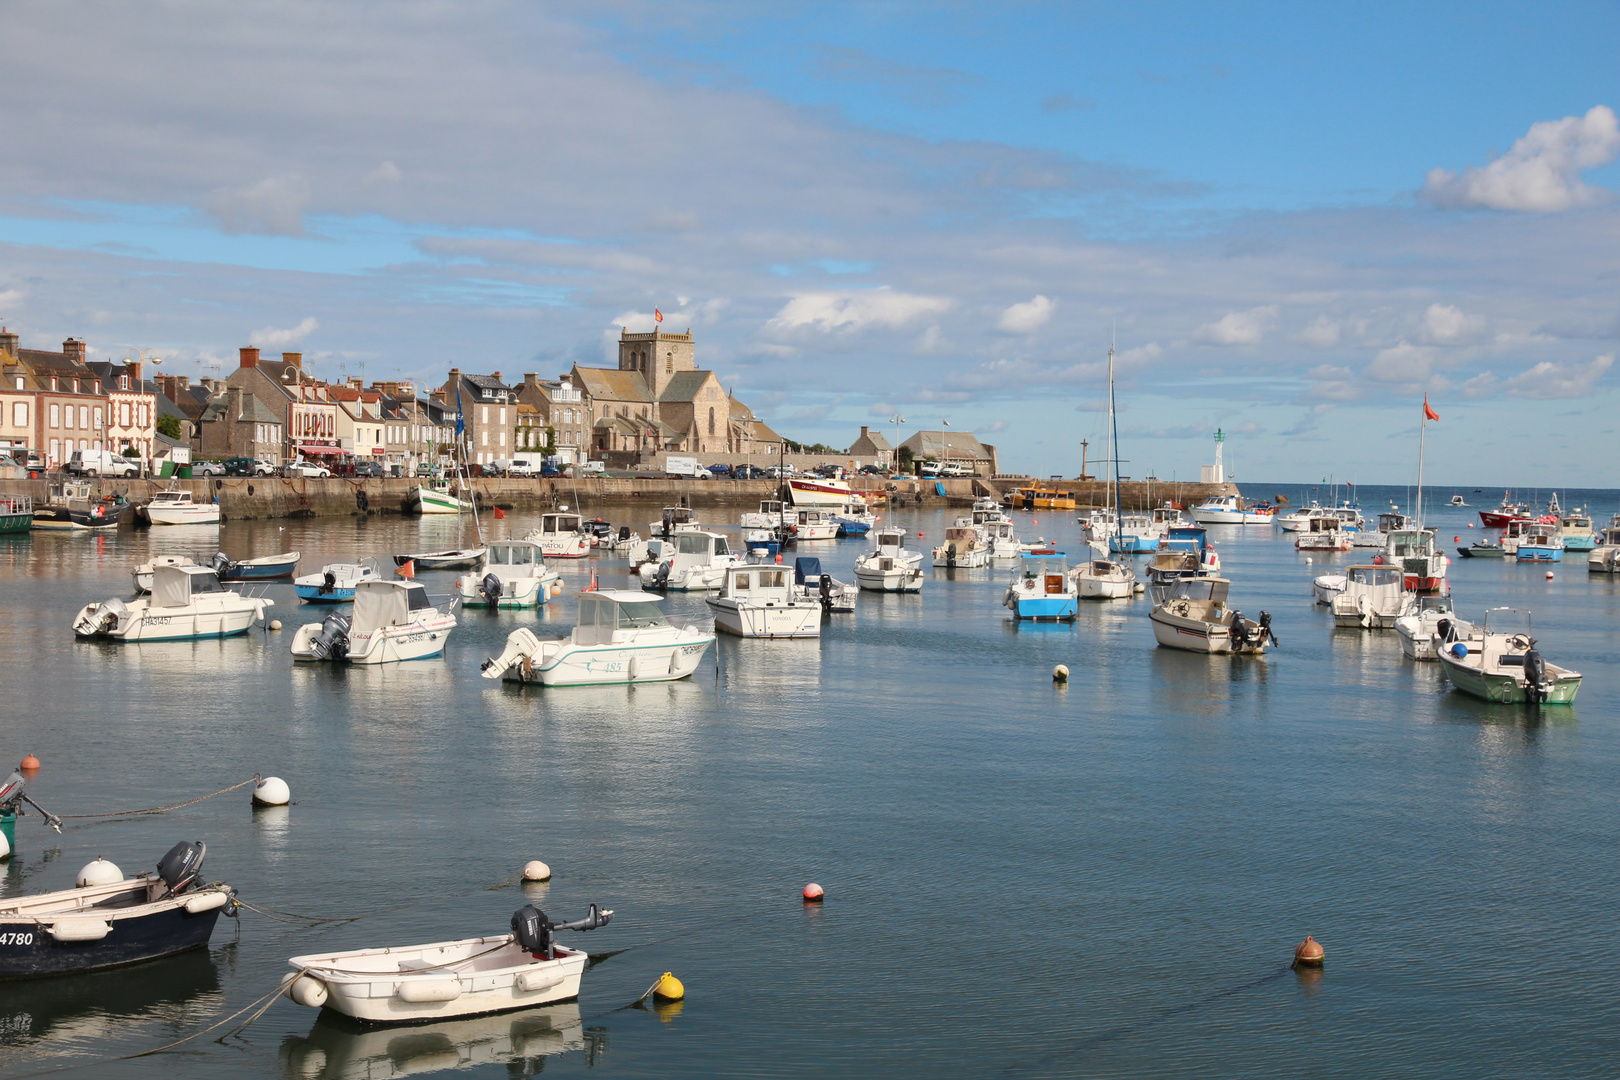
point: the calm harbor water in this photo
(1104, 880)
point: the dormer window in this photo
(53, 383)
(75, 386)
(123, 382)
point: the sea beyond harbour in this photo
(1023, 879)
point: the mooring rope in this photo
(254, 779)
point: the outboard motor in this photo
(491, 588)
(332, 643)
(1265, 628)
(661, 575)
(824, 586)
(950, 556)
(533, 931)
(104, 619)
(180, 867)
(222, 563)
(1240, 633)
(1443, 630)
(1535, 674)
(12, 799)
(328, 583)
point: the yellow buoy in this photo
(669, 988)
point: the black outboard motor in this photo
(180, 867)
(624, 534)
(1240, 633)
(491, 588)
(332, 643)
(1535, 674)
(1443, 630)
(824, 586)
(533, 931)
(222, 563)
(950, 556)
(1265, 628)
(661, 578)
(328, 583)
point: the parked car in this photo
(831, 472)
(246, 466)
(307, 469)
(720, 470)
(208, 468)
(101, 463)
(748, 472)
(873, 470)
(368, 468)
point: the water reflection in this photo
(337, 1048)
(77, 1013)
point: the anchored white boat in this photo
(435, 499)
(759, 600)
(622, 637)
(392, 621)
(771, 514)
(1231, 510)
(814, 524)
(1605, 557)
(1322, 531)
(1103, 579)
(1414, 551)
(514, 575)
(142, 574)
(1195, 617)
(185, 602)
(890, 567)
(1389, 522)
(811, 582)
(962, 548)
(560, 536)
(1327, 586)
(1001, 538)
(696, 561)
(1373, 597)
(1042, 590)
(444, 979)
(176, 507)
(676, 519)
(1430, 627)
(334, 584)
(454, 559)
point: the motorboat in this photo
(821, 494)
(814, 525)
(1373, 597)
(619, 540)
(694, 562)
(1483, 549)
(1000, 537)
(264, 568)
(1350, 517)
(810, 581)
(1457, 500)
(1504, 515)
(1415, 552)
(1322, 531)
(962, 549)
(1168, 515)
(1103, 579)
(393, 620)
(622, 637)
(675, 519)
(1041, 589)
(771, 514)
(1169, 566)
(889, 566)
(453, 559)
(142, 574)
(334, 584)
(561, 536)
(1098, 524)
(855, 518)
(1503, 664)
(1296, 521)
(1514, 535)
(1195, 617)
(984, 512)
(1137, 534)
(185, 602)
(1575, 529)
(767, 543)
(176, 506)
(110, 923)
(435, 499)
(514, 575)
(16, 513)
(74, 504)
(1605, 557)
(1423, 631)
(1327, 586)
(1378, 538)
(758, 600)
(338, 1048)
(1193, 538)
(1540, 543)
(446, 979)
(1231, 510)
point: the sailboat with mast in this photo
(1104, 579)
(426, 497)
(1413, 550)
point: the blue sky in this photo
(1297, 220)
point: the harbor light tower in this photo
(1216, 473)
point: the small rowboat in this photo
(457, 559)
(448, 978)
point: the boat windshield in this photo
(692, 544)
(498, 555)
(1375, 575)
(1506, 620)
(1036, 565)
(1210, 589)
(639, 614)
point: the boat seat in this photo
(424, 967)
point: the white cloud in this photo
(1445, 325)
(272, 207)
(1550, 380)
(1479, 386)
(386, 173)
(1140, 356)
(1404, 363)
(10, 297)
(1324, 333)
(272, 338)
(1027, 317)
(830, 312)
(1239, 327)
(992, 428)
(1540, 172)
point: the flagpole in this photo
(1423, 429)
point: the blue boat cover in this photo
(804, 567)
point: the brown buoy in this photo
(1309, 953)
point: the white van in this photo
(685, 466)
(525, 465)
(586, 468)
(102, 463)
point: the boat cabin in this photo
(1393, 521)
(1052, 571)
(1169, 515)
(513, 558)
(559, 524)
(1375, 577)
(1611, 537)
(1411, 543)
(758, 584)
(382, 603)
(610, 611)
(676, 516)
(775, 508)
(172, 498)
(1540, 534)
(175, 586)
(890, 539)
(1324, 523)
(1193, 538)
(965, 537)
(701, 545)
(813, 517)
(1211, 591)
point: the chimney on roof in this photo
(863, 431)
(495, 375)
(8, 342)
(134, 369)
(75, 348)
(247, 357)
(233, 399)
(296, 359)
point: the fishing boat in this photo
(435, 499)
(16, 513)
(1001, 539)
(186, 602)
(1503, 664)
(1373, 597)
(810, 581)
(392, 621)
(814, 492)
(334, 584)
(560, 536)
(1231, 510)
(454, 559)
(1575, 529)
(1185, 553)
(1378, 537)
(175, 506)
(695, 562)
(889, 566)
(514, 575)
(771, 514)
(814, 525)
(855, 517)
(142, 574)
(1540, 543)
(1103, 579)
(758, 600)
(1136, 534)
(112, 923)
(1322, 531)
(962, 549)
(1504, 515)
(1041, 589)
(1415, 553)
(1432, 625)
(1297, 520)
(264, 568)
(675, 519)
(1605, 557)
(1098, 524)
(621, 637)
(74, 504)
(447, 979)
(1195, 617)
(1483, 549)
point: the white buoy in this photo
(275, 624)
(272, 791)
(5, 847)
(1060, 673)
(100, 872)
(535, 870)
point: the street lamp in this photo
(896, 420)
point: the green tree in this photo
(169, 425)
(551, 441)
(905, 458)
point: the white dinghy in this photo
(393, 620)
(963, 548)
(889, 567)
(622, 637)
(1433, 625)
(445, 979)
(186, 602)
(1103, 579)
(759, 600)
(514, 575)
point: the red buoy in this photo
(30, 764)
(813, 894)
(1309, 953)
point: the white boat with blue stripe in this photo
(186, 602)
(622, 637)
(334, 584)
(1042, 589)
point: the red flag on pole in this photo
(408, 569)
(1428, 413)
(499, 513)
(658, 316)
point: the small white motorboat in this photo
(1373, 597)
(1433, 624)
(142, 574)
(1231, 510)
(1042, 590)
(1457, 500)
(264, 568)
(454, 559)
(1326, 586)
(889, 567)
(1103, 579)
(392, 621)
(1000, 536)
(1504, 665)
(185, 602)
(696, 561)
(514, 575)
(622, 637)
(811, 582)
(334, 584)
(1390, 521)
(676, 519)
(1195, 617)
(814, 524)
(561, 536)
(771, 514)
(444, 979)
(1604, 558)
(758, 600)
(176, 507)
(1323, 530)
(962, 549)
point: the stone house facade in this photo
(238, 424)
(488, 414)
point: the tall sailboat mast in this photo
(1423, 429)
(1113, 440)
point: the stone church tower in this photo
(657, 356)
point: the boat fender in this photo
(631, 668)
(419, 991)
(80, 929)
(202, 902)
(100, 872)
(531, 982)
(1460, 650)
(306, 989)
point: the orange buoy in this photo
(1456, 539)
(1549, 575)
(1309, 953)
(813, 894)
(30, 764)
(1378, 560)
